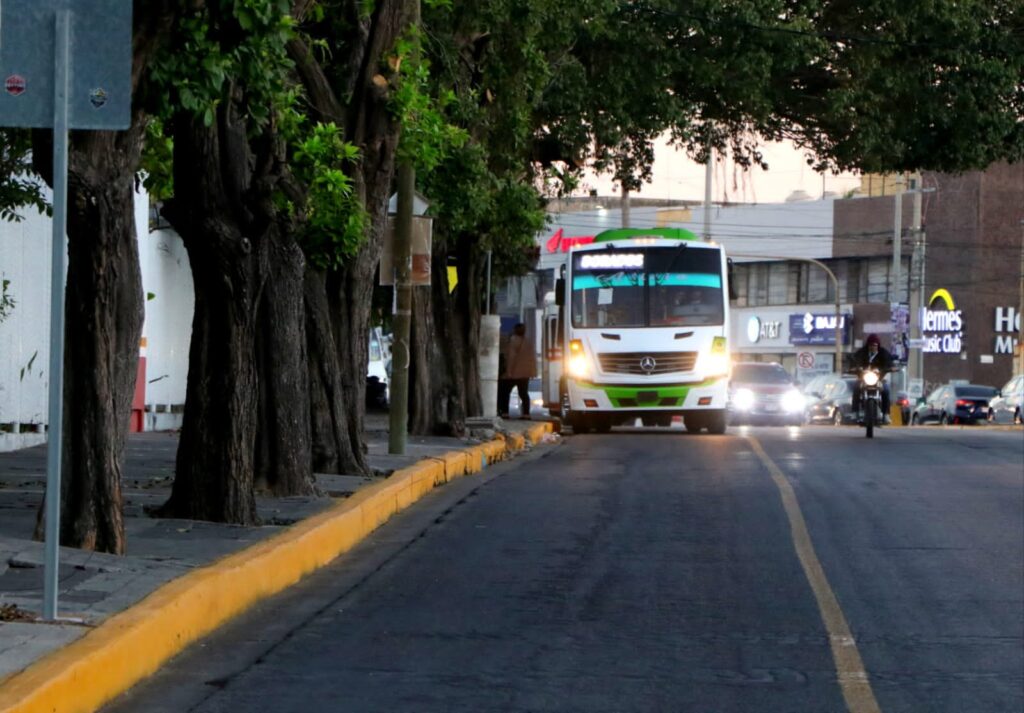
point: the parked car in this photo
(902, 399)
(378, 371)
(761, 392)
(954, 403)
(835, 403)
(536, 409)
(1008, 406)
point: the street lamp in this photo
(835, 285)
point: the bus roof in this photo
(627, 233)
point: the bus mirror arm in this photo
(733, 295)
(560, 292)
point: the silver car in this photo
(1008, 406)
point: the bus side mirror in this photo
(560, 292)
(729, 276)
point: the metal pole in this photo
(897, 243)
(55, 439)
(487, 309)
(398, 420)
(626, 221)
(707, 194)
(1020, 304)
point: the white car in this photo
(1008, 406)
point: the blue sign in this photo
(818, 329)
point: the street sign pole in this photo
(56, 411)
(89, 64)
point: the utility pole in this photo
(897, 243)
(917, 286)
(398, 419)
(707, 193)
(1020, 303)
(625, 206)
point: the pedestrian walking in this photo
(520, 367)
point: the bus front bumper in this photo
(589, 396)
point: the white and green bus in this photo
(638, 328)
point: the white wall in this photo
(25, 333)
(166, 276)
(25, 261)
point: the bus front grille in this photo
(647, 362)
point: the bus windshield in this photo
(647, 287)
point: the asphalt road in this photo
(798, 570)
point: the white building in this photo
(25, 259)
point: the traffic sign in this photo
(99, 89)
(805, 360)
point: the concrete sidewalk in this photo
(180, 578)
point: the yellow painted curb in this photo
(133, 644)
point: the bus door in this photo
(551, 364)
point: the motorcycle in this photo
(871, 398)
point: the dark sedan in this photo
(835, 402)
(955, 403)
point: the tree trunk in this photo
(455, 379)
(331, 444)
(467, 315)
(283, 439)
(103, 326)
(423, 340)
(228, 251)
(103, 308)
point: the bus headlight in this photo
(577, 364)
(793, 401)
(715, 362)
(713, 365)
(743, 399)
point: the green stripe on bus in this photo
(628, 396)
(626, 233)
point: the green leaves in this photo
(427, 135)
(335, 220)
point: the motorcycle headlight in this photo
(743, 399)
(793, 401)
(870, 378)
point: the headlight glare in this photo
(870, 378)
(793, 401)
(578, 367)
(743, 399)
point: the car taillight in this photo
(962, 402)
(904, 402)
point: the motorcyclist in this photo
(872, 354)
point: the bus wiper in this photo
(675, 256)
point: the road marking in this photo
(853, 679)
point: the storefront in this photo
(800, 337)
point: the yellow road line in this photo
(853, 679)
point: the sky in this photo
(677, 177)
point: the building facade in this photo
(965, 267)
